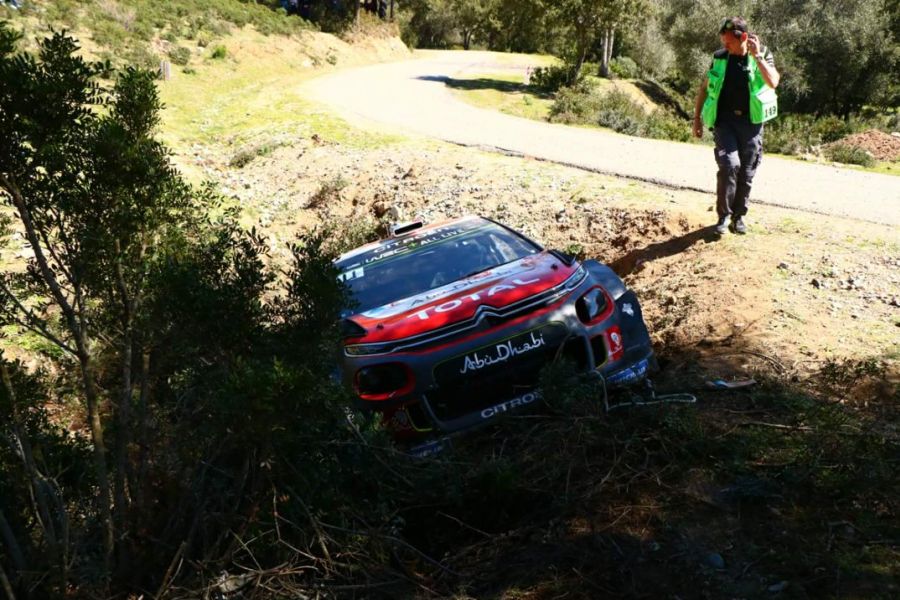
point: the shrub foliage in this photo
(202, 372)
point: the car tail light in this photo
(383, 382)
(592, 306)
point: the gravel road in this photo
(410, 96)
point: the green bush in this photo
(799, 134)
(180, 55)
(662, 125)
(141, 56)
(624, 68)
(219, 52)
(582, 104)
(851, 155)
(552, 78)
(620, 113)
(789, 134)
(832, 128)
(892, 123)
(576, 104)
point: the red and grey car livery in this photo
(453, 322)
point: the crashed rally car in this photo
(453, 322)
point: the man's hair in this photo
(736, 25)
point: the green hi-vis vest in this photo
(763, 99)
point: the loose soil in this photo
(881, 145)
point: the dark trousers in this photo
(738, 152)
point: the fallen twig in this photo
(395, 540)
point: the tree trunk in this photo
(604, 52)
(12, 545)
(46, 503)
(123, 440)
(138, 480)
(78, 333)
(4, 582)
(580, 56)
(104, 500)
(609, 49)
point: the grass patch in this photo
(247, 154)
(250, 99)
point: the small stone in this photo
(783, 266)
(714, 560)
(816, 284)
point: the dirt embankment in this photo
(799, 288)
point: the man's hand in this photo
(753, 44)
(698, 128)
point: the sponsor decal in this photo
(430, 448)
(352, 274)
(501, 353)
(628, 309)
(614, 342)
(509, 405)
(456, 303)
(630, 374)
(521, 351)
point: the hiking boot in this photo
(737, 225)
(722, 226)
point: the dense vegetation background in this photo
(837, 57)
(840, 61)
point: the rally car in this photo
(451, 324)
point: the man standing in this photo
(736, 97)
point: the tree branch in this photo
(46, 272)
(32, 322)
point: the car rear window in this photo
(415, 264)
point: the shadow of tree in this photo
(487, 83)
(660, 96)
